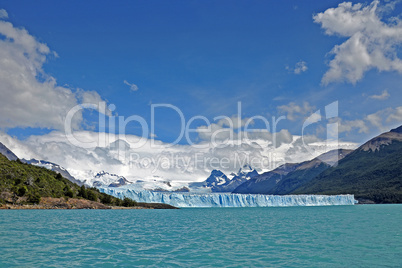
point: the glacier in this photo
(185, 200)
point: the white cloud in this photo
(349, 125)
(386, 119)
(155, 159)
(29, 96)
(383, 120)
(92, 97)
(376, 119)
(395, 116)
(384, 95)
(218, 135)
(300, 67)
(3, 14)
(371, 44)
(224, 129)
(133, 87)
(295, 111)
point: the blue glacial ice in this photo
(229, 200)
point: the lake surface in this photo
(337, 236)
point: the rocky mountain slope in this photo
(288, 177)
(26, 186)
(373, 172)
(7, 153)
(54, 167)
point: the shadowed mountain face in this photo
(220, 183)
(7, 152)
(397, 130)
(289, 177)
(373, 172)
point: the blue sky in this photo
(205, 56)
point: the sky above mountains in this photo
(200, 61)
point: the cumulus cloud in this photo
(295, 111)
(226, 128)
(386, 118)
(395, 115)
(3, 14)
(133, 87)
(376, 119)
(382, 120)
(240, 130)
(371, 44)
(383, 96)
(92, 97)
(224, 136)
(350, 125)
(300, 67)
(29, 96)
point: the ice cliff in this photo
(229, 200)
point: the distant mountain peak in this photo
(397, 130)
(55, 167)
(216, 178)
(103, 173)
(245, 169)
(287, 177)
(7, 152)
(384, 139)
(104, 178)
(219, 182)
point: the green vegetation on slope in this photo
(297, 178)
(289, 177)
(369, 175)
(22, 183)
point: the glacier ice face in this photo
(229, 200)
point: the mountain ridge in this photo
(7, 152)
(218, 182)
(373, 172)
(27, 186)
(288, 177)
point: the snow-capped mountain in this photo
(219, 182)
(286, 178)
(118, 155)
(244, 174)
(7, 152)
(104, 178)
(91, 179)
(108, 179)
(55, 167)
(216, 179)
(159, 184)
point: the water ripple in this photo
(233, 237)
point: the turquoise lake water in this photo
(337, 236)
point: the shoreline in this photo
(75, 203)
